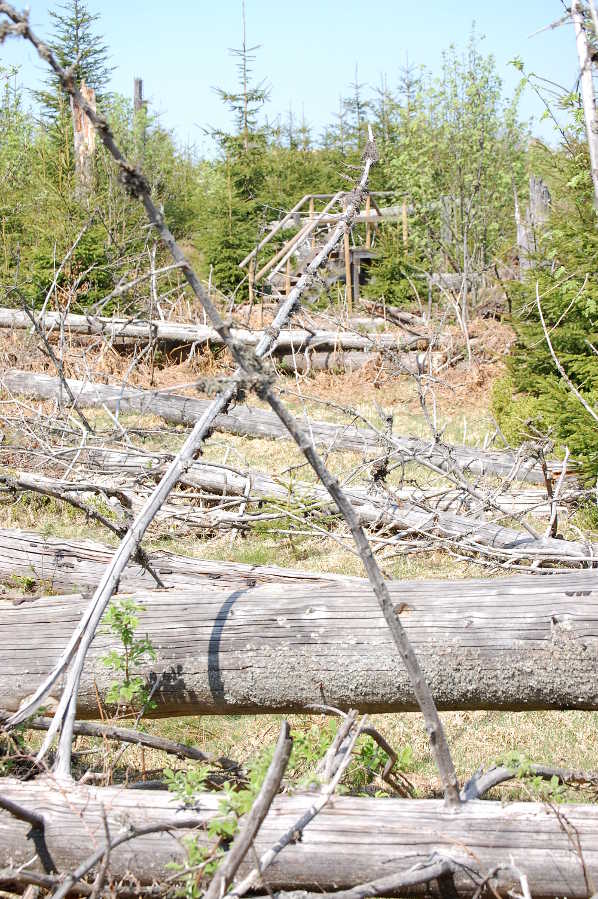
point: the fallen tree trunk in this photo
(122, 472)
(516, 643)
(124, 329)
(304, 361)
(71, 565)
(351, 840)
(250, 421)
(394, 511)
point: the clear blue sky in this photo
(308, 50)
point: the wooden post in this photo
(311, 215)
(84, 139)
(368, 229)
(405, 232)
(349, 292)
(138, 94)
(287, 280)
(139, 107)
(250, 279)
(355, 271)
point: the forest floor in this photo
(461, 404)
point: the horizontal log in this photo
(516, 643)
(250, 421)
(120, 329)
(127, 470)
(305, 361)
(396, 511)
(73, 565)
(352, 840)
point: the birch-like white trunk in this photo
(587, 90)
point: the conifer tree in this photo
(233, 219)
(76, 43)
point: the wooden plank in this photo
(352, 840)
(250, 421)
(519, 643)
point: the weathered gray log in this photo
(113, 470)
(352, 840)
(249, 421)
(71, 565)
(516, 643)
(401, 510)
(178, 333)
(303, 361)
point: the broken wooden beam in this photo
(352, 840)
(521, 643)
(249, 421)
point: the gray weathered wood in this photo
(73, 565)
(119, 329)
(516, 643)
(398, 510)
(126, 471)
(352, 840)
(353, 361)
(250, 421)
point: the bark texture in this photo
(352, 840)
(516, 643)
(78, 565)
(118, 330)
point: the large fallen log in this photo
(250, 421)
(71, 565)
(351, 840)
(407, 510)
(516, 643)
(124, 329)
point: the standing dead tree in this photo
(252, 373)
(578, 13)
(84, 139)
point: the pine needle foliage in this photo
(535, 399)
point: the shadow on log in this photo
(517, 643)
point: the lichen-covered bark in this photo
(517, 643)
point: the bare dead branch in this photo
(252, 823)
